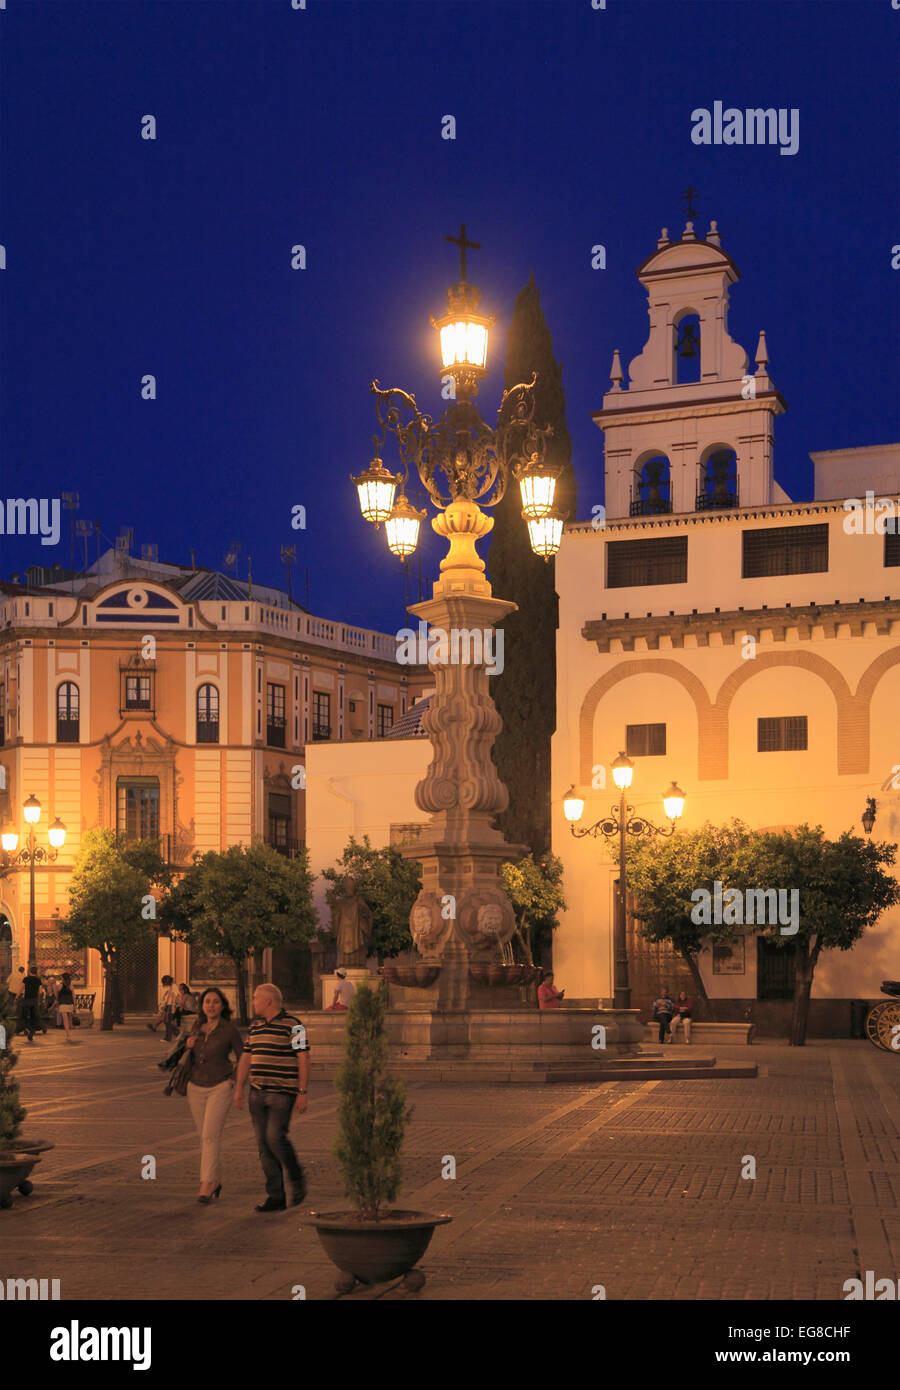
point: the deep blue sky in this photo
(323, 127)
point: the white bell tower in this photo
(693, 429)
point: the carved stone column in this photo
(462, 914)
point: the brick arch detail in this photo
(657, 666)
(852, 712)
(867, 685)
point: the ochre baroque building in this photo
(174, 704)
(744, 644)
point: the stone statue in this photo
(426, 922)
(351, 919)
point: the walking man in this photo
(31, 990)
(276, 1061)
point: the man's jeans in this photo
(663, 1020)
(31, 1019)
(271, 1115)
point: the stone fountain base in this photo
(515, 1036)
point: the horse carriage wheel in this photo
(880, 1024)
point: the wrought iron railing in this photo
(711, 501)
(642, 506)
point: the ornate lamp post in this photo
(462, 914)
(32, 854)
(622, 822)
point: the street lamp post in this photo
(32, 854)
(622, 822)
(462, 917)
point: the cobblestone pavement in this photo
(635, 1186)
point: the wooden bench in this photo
(706, 1032)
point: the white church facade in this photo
(724, 636)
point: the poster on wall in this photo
(730, 958)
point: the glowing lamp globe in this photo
(32, 810)
(673, 801)
(622, 771)
(537, 484)
(545, 534)
(57, 834)
(573, 806)
(376, 488)
(402, 527)
(464, 343)
(9, 839)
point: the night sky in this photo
(322, 127)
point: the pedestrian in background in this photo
(65, 1003)
(212, 1044)
(343, 993)
(185, 1018)
(684, 1008)
(166, 1008)
(549, 996)
(276, 1062)
(31, 996)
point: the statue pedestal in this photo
(355, 975)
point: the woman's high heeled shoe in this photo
(206, 1200)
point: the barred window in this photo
(785, 550)
(645, 740)
(661, 560)
(67, 713)
(786, 734)
(891, 546)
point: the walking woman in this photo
(213, 1043)
(65, 1003)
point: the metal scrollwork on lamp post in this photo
(622, 821)
(33, 855)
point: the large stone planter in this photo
(14, 1170)
(374, 1251)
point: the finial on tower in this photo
(762, 353)
(689, 234)
(616, 375)
(713, 234)
(663, 238)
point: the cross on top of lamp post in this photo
(463, 245)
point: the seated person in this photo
(343, 993)
(548, 995)
(684, 1008)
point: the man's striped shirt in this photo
(273, 1046)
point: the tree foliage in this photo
(108, 903)
(371, 1117)
(535, 890)
(12, 1112)
(237, 901)
(663, 873)
(525, 691)
(842, 889)
(388, 883)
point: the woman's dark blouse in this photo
(212, 1063)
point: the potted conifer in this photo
(15, 1166)
(373, 1242)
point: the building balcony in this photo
(646, 507)
(711, 501)
(321, 732)
(288, 847)
(275, 726)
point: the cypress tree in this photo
(525, 691)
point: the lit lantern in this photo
(545, 533)
(573, 806)
(622, 771)
(402, 527)
(32, 810)
(57, 834)
(537, 484)
(376, 488)
(9, 839)
(673, 801)
(464, 335)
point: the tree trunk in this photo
(806, 966)
(699, 986)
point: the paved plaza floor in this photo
(633, 1186)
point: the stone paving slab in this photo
(632, 1185)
